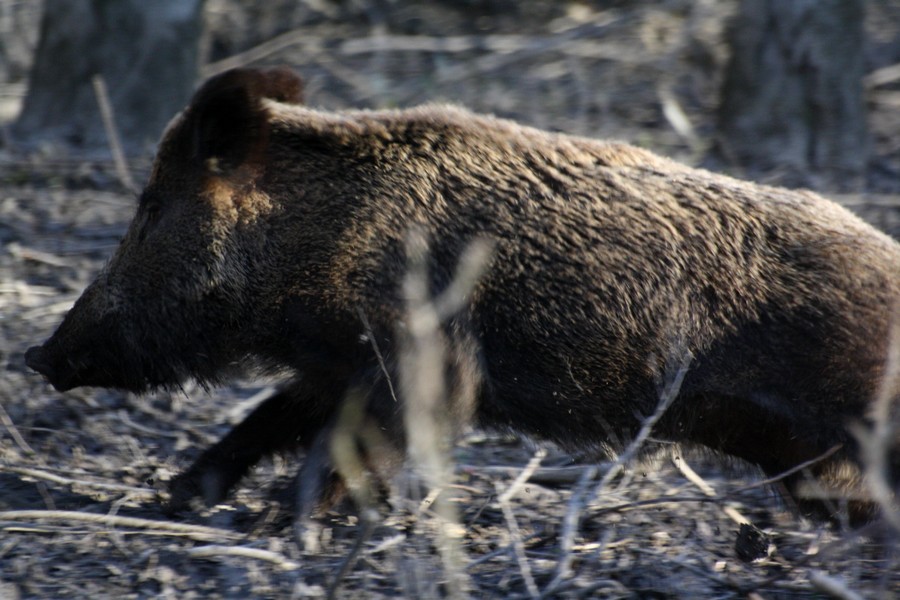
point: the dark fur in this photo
(267, 228)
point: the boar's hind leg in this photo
(778, 441)
(290, 418)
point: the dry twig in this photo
(112, 134)
(524, 475)
(706, 488)
(517, 543)
(668, 395)
(71, 482)
(23, 252)
(14, 432)
(789, 472)
(832, 586)
(574, 510)
(198, 532)
(875, 443)
(422, 364)
(503, 498)
(215, 551)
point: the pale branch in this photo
(524, 475)
(72, 482)
(194, 531)
(706, 488)
(517, 543)
(112, 133)
(571, 521)
(216, 551)
(13, 431)
(832, 586)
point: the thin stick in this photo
(574, 510)
(666, 398)
(371, 335)
(70, 482)
(651, 502)
(19, 251)
(197, 531)
(311, 45)
(832, 586)
(112, 134)
(422, 384)
(363, 534)
(875, 443)
(518, 544)
(14, 432)
(576, 503)
(215, 550)
(499, 552)
(706, 488)
(882, 76)
(512, 524)
(791, 471)
(524, 475)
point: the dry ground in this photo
(79, 512)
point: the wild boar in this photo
(272, 236)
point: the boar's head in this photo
(171, 302)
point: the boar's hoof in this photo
(208, 485)
(181, 491)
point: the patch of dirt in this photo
(79, 472)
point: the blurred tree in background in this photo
(789, 100)
(146, 50)
(792, 98)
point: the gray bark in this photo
(792, 98)
(146, 52)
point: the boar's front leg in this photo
(291, 418)
(358, 452)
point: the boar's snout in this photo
(83, 349)
(38, 359)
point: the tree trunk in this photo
(792, 98)
(145, 51)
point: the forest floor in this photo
(81, 472)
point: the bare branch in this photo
(832, 586)
(517, 543)
(875, 443)
(14, 432)
(112, 133)
(198, 532)
(214, 551)
(668, 395)
(71, 482)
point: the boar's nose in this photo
(36, 359)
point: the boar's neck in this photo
(335, 244)
(306, 293)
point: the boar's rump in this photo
(268, 232)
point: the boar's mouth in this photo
(38, 360)
(60, 377)
(65, 375)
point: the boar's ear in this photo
(228, 123)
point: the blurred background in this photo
(799, 92)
